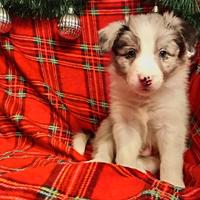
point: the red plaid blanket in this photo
(49, 89)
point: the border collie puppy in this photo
(147, 125)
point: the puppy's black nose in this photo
(145, 81)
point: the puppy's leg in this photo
(171, 144)
(79, 142)
(128, 144)
(103, 143)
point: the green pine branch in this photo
(184, 6)
(187, 9)
(43, 8)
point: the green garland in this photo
(187, 9)
(185, 6)
(42, 8)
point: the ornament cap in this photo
(71, 10)
(155, 9)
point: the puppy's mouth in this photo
(144, 91)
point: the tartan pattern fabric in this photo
(51, 88)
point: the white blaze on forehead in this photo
(146, 30)
(145, 63)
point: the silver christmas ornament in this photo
(5, 21)
(69, 25)
(155, 8)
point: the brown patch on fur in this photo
(172, 40)
(125, 39)
(124, 42)
(120, 69)
(173, 43)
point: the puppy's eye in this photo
(131, 53)
(163, 53)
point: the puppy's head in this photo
(148, 48)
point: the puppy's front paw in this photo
(99, 160)
(132, 165)
(175, 182)
(179, 184)
(102, 157)
(140, 168)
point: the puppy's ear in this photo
(108, 35)
(190, 35)
(186, 31)
(171, 21)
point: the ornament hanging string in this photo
(155, 8)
